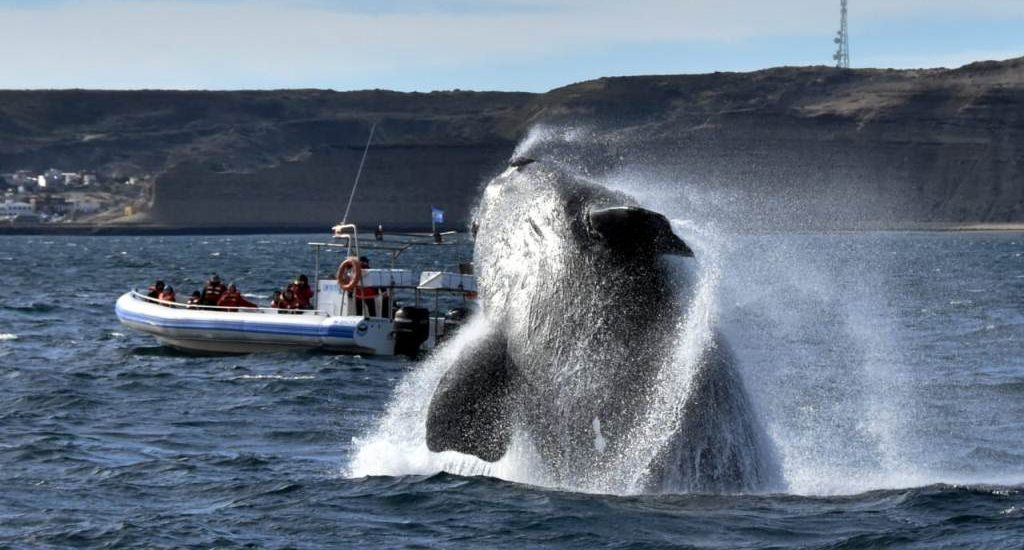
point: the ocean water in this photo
(886, 368)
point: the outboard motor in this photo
(412, 328)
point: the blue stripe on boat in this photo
(328, 331)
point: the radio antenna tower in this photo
(842, 40)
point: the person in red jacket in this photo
(303, 293)
(289, 301)
(278, 302)
(213, 291)
(365, 295)
(167, 295)
(233, 298)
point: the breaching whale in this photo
(584, 311)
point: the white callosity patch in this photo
(600, 443)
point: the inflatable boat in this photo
(338, 322)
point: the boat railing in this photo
(139, 296)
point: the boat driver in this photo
(366, 296)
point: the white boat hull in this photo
(254, 330)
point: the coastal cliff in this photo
(801, 145)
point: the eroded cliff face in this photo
(802, 147)
(398, 187)
(823, 147)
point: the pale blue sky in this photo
(530, 45)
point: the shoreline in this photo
(170, 230)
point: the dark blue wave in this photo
(109, 440)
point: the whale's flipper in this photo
(469, 412)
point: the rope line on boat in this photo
(359, 172)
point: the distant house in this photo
(51, 204)
(72, 179)
(85, 205)
(30, 217)
(9, 209)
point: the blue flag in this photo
(437, 215)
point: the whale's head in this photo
(539, 226)
(570, 267)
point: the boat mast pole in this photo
(316, 278)
(359, 172)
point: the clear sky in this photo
(529, 45)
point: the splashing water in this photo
(577, 367)
(817, 343)
(695, 334)
(397, 446)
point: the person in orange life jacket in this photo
(303, 293)
(167, 295)
(290, 301)
(233, 298)
(156, 289)
(196, 300)
(365, 295)
(213, 291)
(278, 301)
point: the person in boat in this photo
(303, 293)
(195, 300)
(365, 295)
(156, 289)
(277, 302)
(233, 298)
(290, 301)
(213, 291)
(379, 232)
(167, 295)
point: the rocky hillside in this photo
(785, 146)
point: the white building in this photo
(72, 179)
(85, 205)
(11, 209)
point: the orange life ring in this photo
(346, 281)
